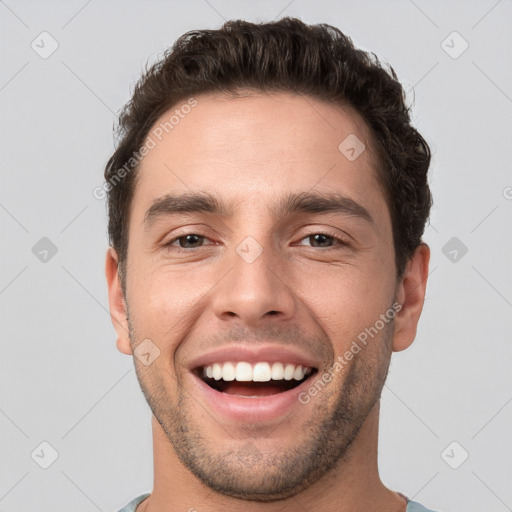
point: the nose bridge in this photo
(254, 286)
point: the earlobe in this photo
(411, 295)
(118, 313)
(123, 345)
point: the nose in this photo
(254, 291)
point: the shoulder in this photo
(134, 503)
(413, 506)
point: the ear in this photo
(118, 311)
(411, 295)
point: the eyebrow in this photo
(299, 202)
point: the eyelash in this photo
(169, 245)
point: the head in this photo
(267, 200)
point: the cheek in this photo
(160, 307)
(346, 304)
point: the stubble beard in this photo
(248, 472)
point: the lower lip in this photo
(250, 410)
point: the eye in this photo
(186, 241)
(324, 238)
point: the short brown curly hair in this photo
(283, 56)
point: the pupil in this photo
(189, 238)
(325, 238)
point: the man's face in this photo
(258, 285)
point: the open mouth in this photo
(253, 380)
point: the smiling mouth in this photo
(254, 380)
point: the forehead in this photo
(253, 149)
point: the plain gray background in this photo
(63, 381)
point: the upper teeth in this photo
(259, 372)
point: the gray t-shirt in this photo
(412, 506)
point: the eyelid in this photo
(190, 229)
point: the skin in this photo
(251, 150)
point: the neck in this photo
(353, 485)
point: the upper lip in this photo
(254, 354)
